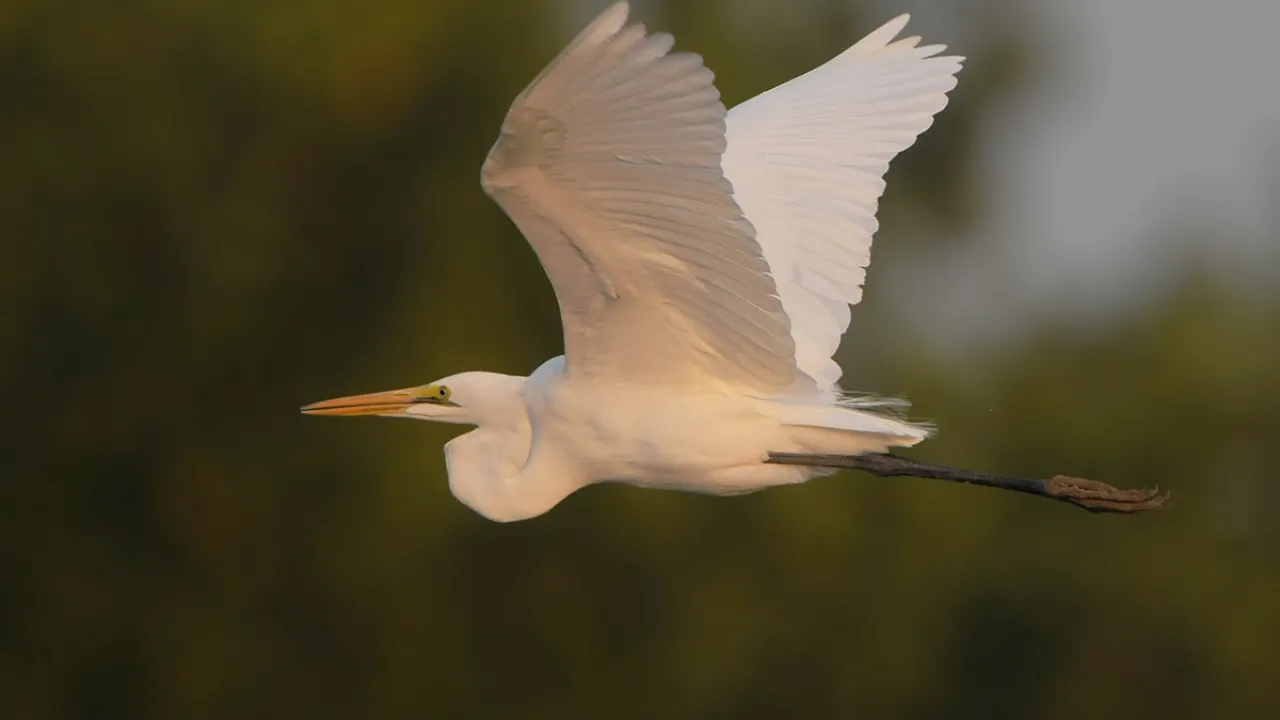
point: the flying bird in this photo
(704, 262)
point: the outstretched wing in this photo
(807, 159)
(609, 163)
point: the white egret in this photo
(704, 263)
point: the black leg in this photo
(1090, 495)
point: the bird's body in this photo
(540, 438)
(704, 263)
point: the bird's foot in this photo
(1101, 497)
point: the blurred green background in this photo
(212, 213)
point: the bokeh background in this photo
(212, 213)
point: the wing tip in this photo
(886, 37)
(604, 26)
(615, 15)
(881, 37)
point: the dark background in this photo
(212, 213)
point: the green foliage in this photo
(214, 212)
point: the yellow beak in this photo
(378, 403)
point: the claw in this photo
(1101, 497)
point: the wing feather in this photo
(807, 161)
(610, 165)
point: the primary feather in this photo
(609, 162)
(807, 160)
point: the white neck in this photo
(494, 469)
(490, 471)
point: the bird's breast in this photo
(644, 434)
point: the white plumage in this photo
(704, 264)
(610, 164)
(807, 161)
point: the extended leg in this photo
(1090, 495)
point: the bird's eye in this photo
(434, 394)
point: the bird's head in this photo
(467, 398)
